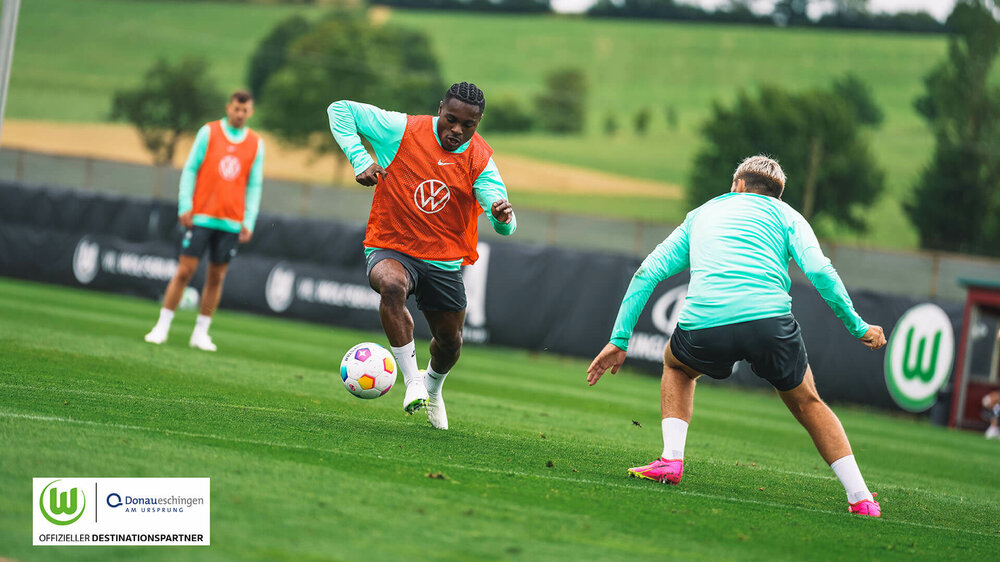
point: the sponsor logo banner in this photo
(89, 259)
(120, 511)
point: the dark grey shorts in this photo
(221, 245)
(773, 347)
(434, 288)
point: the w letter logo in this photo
(919, 358)
(60, 507)
(431, 196)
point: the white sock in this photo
(434, 380)
(166, 317)
(675, 432)
(406, 358)
(202, 323)
(847, 471)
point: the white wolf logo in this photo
(278, 290)
(85, 262)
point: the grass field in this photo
(533, 465)
(71, 55)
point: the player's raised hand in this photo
(611, 357)
(370, 176)
(874, 338)
(502, 211)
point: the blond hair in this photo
(761, 174)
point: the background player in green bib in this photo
(738, 247)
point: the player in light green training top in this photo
(738, 247)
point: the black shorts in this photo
(221, 245)
(436, 289)
(772, 346)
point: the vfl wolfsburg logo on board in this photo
(61, 506)
(919, 357)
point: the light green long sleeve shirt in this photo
(350, 120)
(189, 176)
(738, 247)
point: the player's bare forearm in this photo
(611, 357)
(370, 176)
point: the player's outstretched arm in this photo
(491, 193)
(874, 338)
(349, 121)
(611, 357)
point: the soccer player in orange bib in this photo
(433, 176)
(217, 205)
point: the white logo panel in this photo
(279, 288)
(121, 511)
(85, 261)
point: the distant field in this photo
(533, 467)
(72, 54)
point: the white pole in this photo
(8, 24)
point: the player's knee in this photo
(450, 343)
(184, 273)
(393, 292)
(216, 274)
(804, 402)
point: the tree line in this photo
(821, 135)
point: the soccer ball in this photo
(368, 370)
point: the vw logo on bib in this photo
(431, 196)
(229, 167)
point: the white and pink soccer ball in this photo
(368, 370)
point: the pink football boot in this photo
(866, 507)
(661, 470)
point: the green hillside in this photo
(72, 54)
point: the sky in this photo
(937, 8)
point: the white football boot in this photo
(436, 413)
(415, 397)
(157, 335)
(202, 341)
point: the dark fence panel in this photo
(532, 297)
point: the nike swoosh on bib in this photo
(440, 163)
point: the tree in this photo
(642, 119)
(850, 7)
(956, 201)
(858, 94)
(172, 101)
(346, 57)
(817, 138)
(272, 53)
(791, 12)
(506, 113)
(561, 108)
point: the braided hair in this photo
(466, 92)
